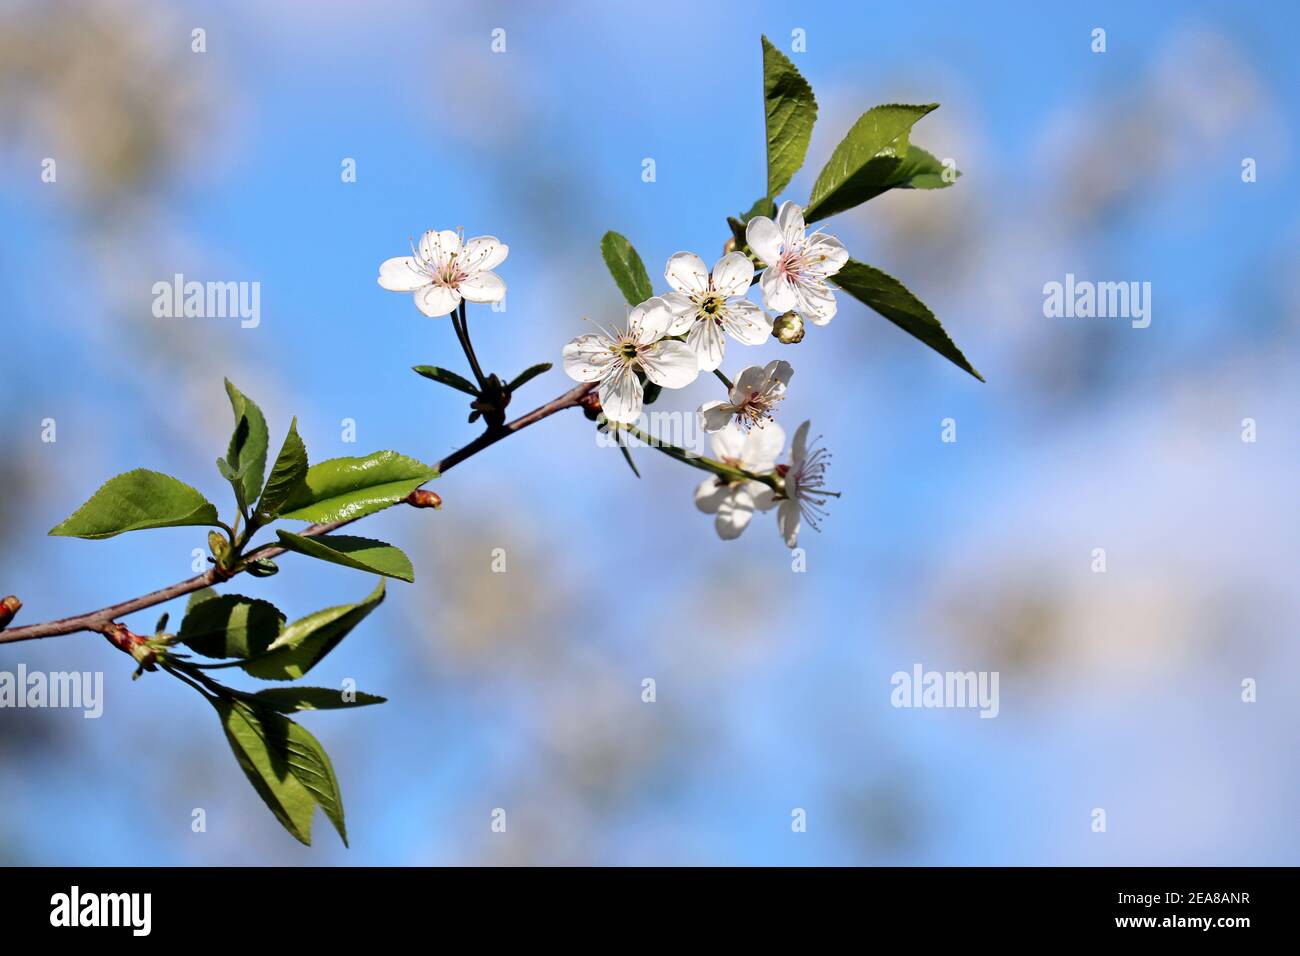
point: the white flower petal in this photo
(679, 304)
(484, 253)
(728, 442)
(734, 514)
(715, 415)
(439, 247)
(621, 395)
(763, 445)
(787, 521)
(402, 274)
(816, 303)
(587, 358)
(778, 292)
(650, 321)
(706, 340)
(799, 447)
(789, 219)
(687, 274)
(745, 322)
(779, 371)
(732, 274)
(832, 252)
(764, 238)
(670, 364)
(436, 300)
(710, 494)
(482, 287)
(764, 497)
(749, 381)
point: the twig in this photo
(98, 620)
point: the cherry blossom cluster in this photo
(669, 339)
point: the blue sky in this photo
(1119, 691)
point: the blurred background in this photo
(523, 690)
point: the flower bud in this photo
(729, 246)
(788, 328)
(422, 498)
(8, 608)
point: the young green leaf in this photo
(303, 643)
(285, 764)
(229, 625)
(136, 500)
(287, 474)
(264, 758)
(865, 160)
(528, 374)
(891, 298)
(364, 554)
(790, 110)
(309, 763)
(445, 377)
(627, 457)
(921, 170)
(626, 267)
(355, 487)
(246, 456)
(287, 700)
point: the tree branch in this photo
(99, 620)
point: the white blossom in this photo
(804, 493)
(706, 305)
(798, 265)
(734, 502)
(614, 357)
(443, 270)
(752, 397)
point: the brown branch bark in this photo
(101, 619)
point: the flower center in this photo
(711, 305)
(627, 350)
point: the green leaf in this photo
(246, 456)
(891, 298)
(354, 487)
(528, 374)
(920, 170)
(762, 207)
(136, 500)
(791, 111)
(866, 159)
(287, 474)
(364, 554)
(445, 377)
(626, 267)
(259, 742)
(303, 643)
(287, 700)
(627, 456)
(229, 625)
(261, 568)
(286, 765)
(309, 763)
